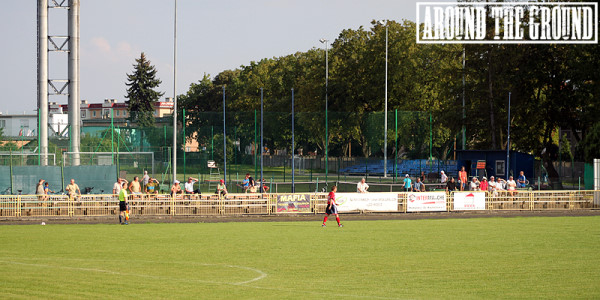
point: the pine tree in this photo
(141, 94)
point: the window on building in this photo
(83, 114)
(94, 113)
(118, 112)
(2, 123)
(156, 112)
(500, 168)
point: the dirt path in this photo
(311, 217)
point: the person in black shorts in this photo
(123, 203)
(331, 207)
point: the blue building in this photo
(493, 163)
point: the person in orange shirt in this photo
(462, 176)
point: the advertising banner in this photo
(469, 201)
(366, 202)
(293, 203)
(428, 201)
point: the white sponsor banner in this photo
(469, 201)
(428, 201)
(366, 201)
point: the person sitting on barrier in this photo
(451, 185)
(47, 191)
(176, 188)
(443, 177)
(500, 184)
(362, 186)
(221, 189)
(39, 190)
(521, 180)
(123, 203)
(493, 186)
(73, 189)
(265, 187)
(483, 185)
(152, 186)
(189, 186)
(407, 184)
(419, 186)
(118, 185)
(134, 186)
(474, 184)
(253, 186)
(246, 183)
(511, 186)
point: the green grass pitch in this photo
(537, 257)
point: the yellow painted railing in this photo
(31, 206)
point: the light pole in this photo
(175, 95)
(326, 42)
(385, 125)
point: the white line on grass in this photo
(262, 275)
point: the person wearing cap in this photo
(189, 185)
(407, 184)
(483, 185)
(221, 188)
(362, 186)
(443, 177)
(474, 184)
(176, 188)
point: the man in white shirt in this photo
(118, 186)
(362, 186)
(145, 178)
(444, 177)
(474, 185)
(189, 185)
(511, 186)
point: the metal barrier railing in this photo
(24, 206)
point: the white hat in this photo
(442, 171)
(406, 175)
(176, 181)
(484, 178)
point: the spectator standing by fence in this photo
(443, 177)
(362, 186)
(39, 189)
(134, 186)
(145, 178)
(462, 178)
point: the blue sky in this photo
(212, 36)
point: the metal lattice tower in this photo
(69, 87)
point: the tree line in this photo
(552, 87)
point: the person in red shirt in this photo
(483, 185)
(332, 207)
